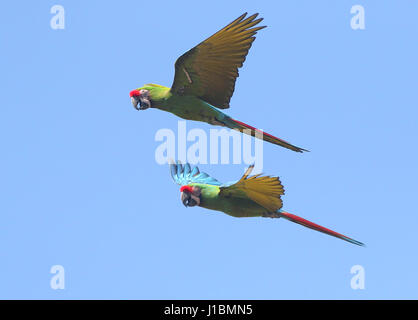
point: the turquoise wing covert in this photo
(184, 175)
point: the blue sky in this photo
(80, 186)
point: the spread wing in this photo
(264, 190)
(184, 175)
(210, 69)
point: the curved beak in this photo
(135, 101)
(185, 197)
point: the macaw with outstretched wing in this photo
(255, 196)
(205, 78)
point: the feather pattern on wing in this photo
(264, 190)
(210, 69)
(185, 174)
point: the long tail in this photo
(243, 127)
(314, 226)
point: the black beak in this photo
(185, 198)
(135, 102)
(144, 102)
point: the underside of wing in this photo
(264, 190)
(185, 174)
(210, 69)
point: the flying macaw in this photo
(255, 196)
(205, 78)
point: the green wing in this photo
(209, 70)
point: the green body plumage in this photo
(186, 107)
(237, 207)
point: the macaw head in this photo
(190, 196)
(141, 97)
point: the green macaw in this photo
(255, 196)
(204, 80)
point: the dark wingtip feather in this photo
(361, 244)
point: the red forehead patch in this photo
(186, 188)
(134, 93)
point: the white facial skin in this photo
(143, 100)
(191, 199)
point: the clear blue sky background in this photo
(79, 185)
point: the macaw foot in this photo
(216, 122)
(271, 215)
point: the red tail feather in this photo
(314, 226)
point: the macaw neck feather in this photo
(157, 92)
